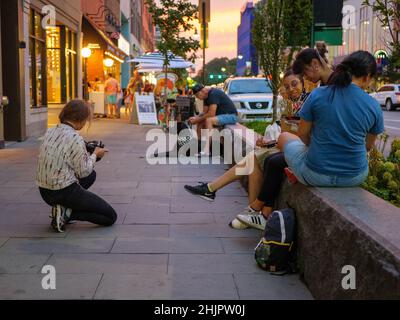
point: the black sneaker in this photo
(201, 191)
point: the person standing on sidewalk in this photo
(111, 87)
(66, 170)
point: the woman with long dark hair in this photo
(339, 124)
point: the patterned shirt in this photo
(63, 158)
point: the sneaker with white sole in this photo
(253, 221)
(60, 216)
(202, 191)
(237, 224)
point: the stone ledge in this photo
(344, 226)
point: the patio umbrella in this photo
(156, 59)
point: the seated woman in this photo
(339, 124)
(65, 171)
(296, 95)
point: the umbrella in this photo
(156, 59)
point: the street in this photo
(166, 244)
(392, 126)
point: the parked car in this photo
(388, 96)
(251, 96)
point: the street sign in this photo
(207, 13)
(202, 36)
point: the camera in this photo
(92, 145)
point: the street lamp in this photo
(240, 57)
(86, 53)
(223, 69)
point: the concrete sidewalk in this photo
(167, 244)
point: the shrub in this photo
(384, 174)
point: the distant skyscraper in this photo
(247, 59)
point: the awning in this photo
(95, 38)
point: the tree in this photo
(174, 18)
(222, 67)
(388, 13)
(280, 27)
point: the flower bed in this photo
(384, 173)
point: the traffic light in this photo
(219, 76)
(211, 76)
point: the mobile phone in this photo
(271, 144)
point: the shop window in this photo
(53, 64)
(37, 62)
(62, 64)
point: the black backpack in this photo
(276, 250)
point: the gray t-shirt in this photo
(223, 102)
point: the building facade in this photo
(363, 31)
(247, 59)
(41, 66)
(40, 62)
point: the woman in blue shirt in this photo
(339, 124)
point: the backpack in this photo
(276, 250)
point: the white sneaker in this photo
(237, 224)
(253, 221)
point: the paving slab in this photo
(115, 264)
(155, 286)
(22, 263)
(167, 245)
(170, 218)
(120, 231)
(213, 263)
(29, 287)
(209, 230)
(48, 245)
(272, 287)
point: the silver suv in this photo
(251, 96)
(388, 96)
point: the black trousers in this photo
(274, 175)
(85, 205)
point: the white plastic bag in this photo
(272, 132)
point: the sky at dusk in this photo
(225, 18)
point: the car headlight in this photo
(237, 104)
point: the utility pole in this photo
(204, 17)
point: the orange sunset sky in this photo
(225, 18)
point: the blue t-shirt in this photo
(342, 117)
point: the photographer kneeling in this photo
(66, 170)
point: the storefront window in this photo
(53, 64)
(70, 60)
(61, 69)
(37, 62)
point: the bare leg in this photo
(286, 137)
(255, 178)
(209, 124)
(255, 181)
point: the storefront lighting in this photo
(109, 54)
(108, 62)
(86, 52)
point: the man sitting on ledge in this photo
(219, 110)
